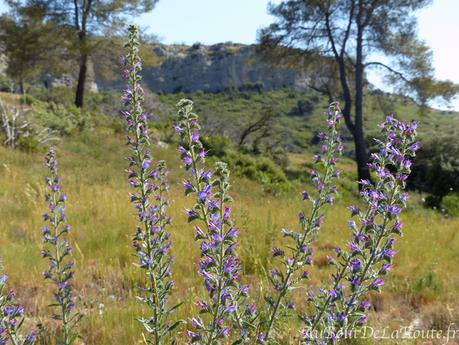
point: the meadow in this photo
(293, 202)
(421, 290)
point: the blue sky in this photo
(207, 21)
(213, 21)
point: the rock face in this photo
(212, 68)
(64, 80)
(69, 80)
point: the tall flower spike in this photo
(368, 258)
(219, 265)
(59, 253)
(295, 258)
(150, 198)
(11, 318)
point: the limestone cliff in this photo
(211, 68)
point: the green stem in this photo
(60, 279)
(341, 274)
(306, 233)
(12, 337)
(220, 268)
(205, 215)
(373, 254)
(151, 273)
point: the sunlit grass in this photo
(426, 273)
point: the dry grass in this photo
(425, 280)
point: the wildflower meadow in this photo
(245, 279)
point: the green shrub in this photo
(59, 95)
(30, 144)
(216, 145)
(259, 169)
(450, 204)
(60, 118)
(426, 287)
(436, 167)
(256, 168)
(6, 84)
(27, 99)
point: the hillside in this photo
(294, 118)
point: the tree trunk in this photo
(21, 87)
(361, 154)
(79, 97)
(346, 95)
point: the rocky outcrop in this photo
(199, 67)
(212, 68)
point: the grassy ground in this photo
(424, 284)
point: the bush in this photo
(29, 144)
(256, 168)
(60, 118)
(450, 204)
(103, 102)
(436, 167)
(6, 84)
(60, 95)
(216, 145)
(259, 169)
(303, 108)
(27, 99)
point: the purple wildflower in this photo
(219, 265)
(58, 252)
(372, 245)
(11, 318)
(300, 252)
(149, 180)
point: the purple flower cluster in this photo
(219, 265)
(11, 318)
(295, 258)
(361, 267)
(150, 198)
(58, 251)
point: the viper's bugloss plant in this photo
(226, 315)
(12, 318)
(360, 267)
(150, 199)
(59, 254)
(226, 306)
(295, 258)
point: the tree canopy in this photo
(32, 46)
(83, 20)
(359, 35)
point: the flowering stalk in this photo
(369, 255)
(11, 318)
(295, 259)
(151, 240)
(58, 251)
(219, 265)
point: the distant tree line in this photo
(41, 37)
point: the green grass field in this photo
(424, 284)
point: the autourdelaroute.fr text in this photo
(404, 332)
